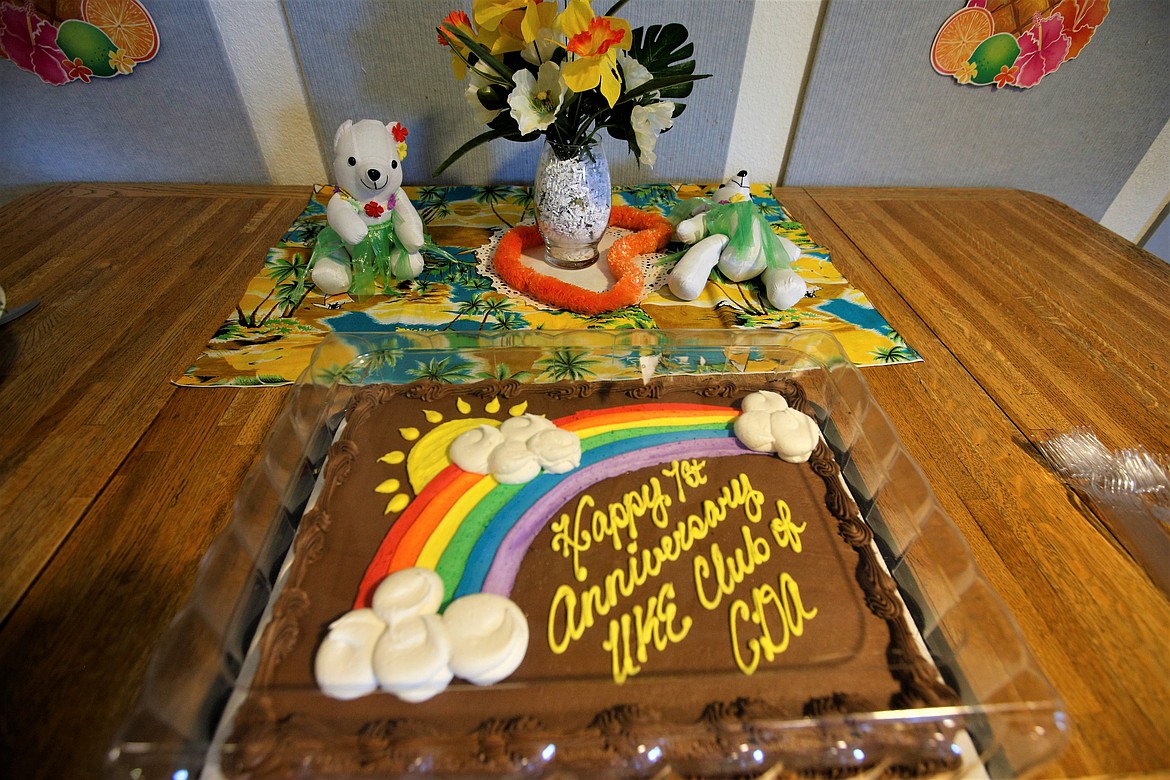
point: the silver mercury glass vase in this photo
(572, 196)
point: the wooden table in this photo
(113, 482)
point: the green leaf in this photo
(666, 86)
(493, 97)
(664, 51)
(504, 124)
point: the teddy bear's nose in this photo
(374, 174)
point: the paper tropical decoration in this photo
(76, 40)
(1014, 43)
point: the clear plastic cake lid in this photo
(1007, 721)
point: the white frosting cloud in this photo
(518, 450)
(408, 593)
(403, 646)
(489, 637)
(556, 450)
(768, 424)
(512, 463)
(411, 659)
(471, 449)
(344, 662)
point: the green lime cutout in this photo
(81, 40)
(993, 54)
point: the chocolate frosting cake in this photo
(690, 600)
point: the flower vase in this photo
(572, 197)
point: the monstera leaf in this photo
(665, 52)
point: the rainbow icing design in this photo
(474, 531)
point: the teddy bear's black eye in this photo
(351, 161)
(393, 163)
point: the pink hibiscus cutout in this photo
(1043, 47)
(31, 43)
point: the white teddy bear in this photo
(373, 229)
(729, 231)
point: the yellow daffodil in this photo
(594, 42)
(510, 25)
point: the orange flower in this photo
(456, 20)
(1006, 76)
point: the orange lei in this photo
(653, 231)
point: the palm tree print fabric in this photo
(280, 321)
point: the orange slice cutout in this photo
(958, 37)
(128, 24)
(653, 232)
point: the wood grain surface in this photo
(114, 482)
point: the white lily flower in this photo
(475, 80)
(648, 122)
(633, 72)
(535, 101)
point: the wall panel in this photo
(176, 118)
(875, 113)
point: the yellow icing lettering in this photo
(784, 531)
(751, 499)
(653, 625)
(618, 645)
(565, 600)
(688, 472)
(618, 522)
(737, 614)
(570, 541)
(778, 614)
(728, 572)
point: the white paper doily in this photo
(597, 277)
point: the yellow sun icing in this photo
(433, 416)
(389, 486)
(518, 409)
(410, 434)
(462, 406)
(493, 406)
(397, 504)
(393, 458)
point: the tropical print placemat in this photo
(279, 323)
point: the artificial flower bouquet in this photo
(533, 70)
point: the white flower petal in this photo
(635, 73)
(648, 122)
(536, 99)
